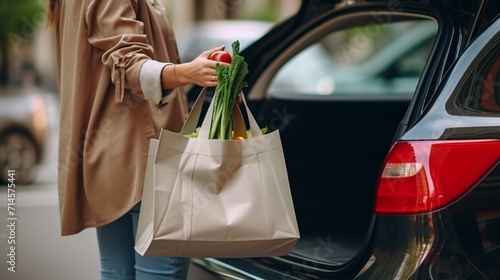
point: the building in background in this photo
(183, 14)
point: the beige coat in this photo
(106, 122)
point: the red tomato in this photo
(221, 56)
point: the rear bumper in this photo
(419, 247)
(409, 247)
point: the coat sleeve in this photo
(113, 27)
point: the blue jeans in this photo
(119, 260)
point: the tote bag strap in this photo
(194, 115)
(254, 126)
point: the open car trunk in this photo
(336, 138)
(334, 150)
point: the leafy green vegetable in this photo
(231, 82)
(193, 134)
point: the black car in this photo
(387, 184)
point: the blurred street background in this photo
(28, 96)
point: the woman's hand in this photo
(200, 71)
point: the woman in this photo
(120, 82)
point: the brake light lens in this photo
(423, 176)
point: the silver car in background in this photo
(23, 125)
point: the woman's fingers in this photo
(202, 70)
(207, 53)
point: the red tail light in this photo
(422, 176)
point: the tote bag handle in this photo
(238, 122)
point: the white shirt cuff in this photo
(150, 78)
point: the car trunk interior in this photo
(334, 150)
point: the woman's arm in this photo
(200, 71)
(114, 29)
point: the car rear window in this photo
(367, 60)
(479, 92)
